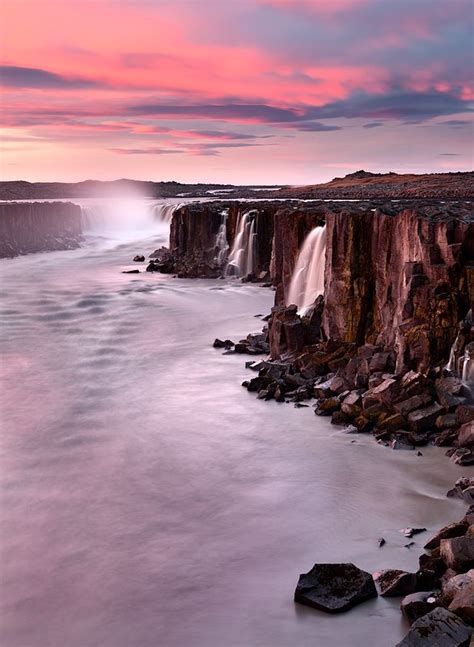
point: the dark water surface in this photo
(148, 500)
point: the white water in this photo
(241, 260)
(148, 500)
(307, 281)
(126, 218)
(222, 246)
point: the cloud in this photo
(189, 149)
(31, 77)
(400, 105)
(316, 127)
(373, 124)
(255, 113)
(449, 154)
(456, 123)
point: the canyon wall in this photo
(27, 227)
(402, 278)
(399, 275)
(194, 231)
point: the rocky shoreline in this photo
(437, 600)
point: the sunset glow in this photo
(248, 91)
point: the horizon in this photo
(262, 92)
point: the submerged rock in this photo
(334, 587)
(394, 583)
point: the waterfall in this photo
(242, 257)
(307, 281)
(222, 246)
(126, 218)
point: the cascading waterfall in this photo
(242, 257)
(122, 218)
(222, 246)
(307, 282)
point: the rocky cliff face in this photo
(402, 278)
(39, 226)
(194, 236)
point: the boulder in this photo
(327, 407)
(415, 402)
(456, 529)
(466, 435)
(424, 419)
(453, 585)
(463, 604)
(139, 258)
(415, 605)
(334, 587)
(438, 628)
(394, 583)
(464, 413)
(458, 553)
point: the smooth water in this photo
(148, 500)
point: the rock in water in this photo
(139, 258)
(334, 587)
(438, 628)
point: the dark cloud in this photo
(449, 154)
(400, 105)
(457, 123)
(246, 112)
(373, 124)
(189, 149)
(316, 127)
(31, 77)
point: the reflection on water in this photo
(147, 499)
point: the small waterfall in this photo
(242, 257)
(164, 212)
(222, 246)
(307, 282)
(466, 367)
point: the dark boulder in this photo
(458, 553)
(394, 583)
(334, 587)
(438, 628)
(415, 605)
(139, 258)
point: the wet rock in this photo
(391, 423)
(455, 584)
(446, 421)
(363, 424)
(446, 438)
(340, 418)
(227, 343)
(463, 489)
(462, 456)
(456, 529)
(466, 435)
(131, 272)
(438, 628)
(401, 443)
(463, 604)
(464, 413)
(449, 391)
(410, 532)
(327, 407)
(416, 605)
(458, 553)
(139, 258)
(415, 402)
(394, 583)
(424, 419)
(334, 587)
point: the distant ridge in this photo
(360, 185)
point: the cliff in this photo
(194, 236)
(39, 226)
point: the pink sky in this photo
(242, 91)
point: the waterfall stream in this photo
(242, 257)
(222, 246)
(307, 281)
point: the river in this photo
(148, 499)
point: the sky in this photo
(234, 91)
